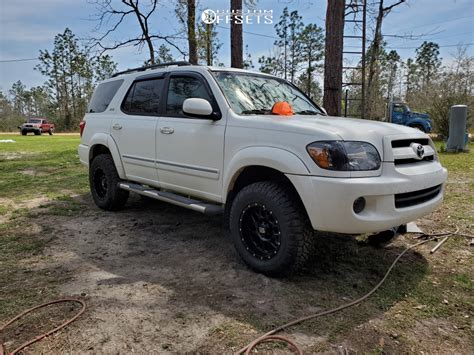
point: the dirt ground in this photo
(157, 278)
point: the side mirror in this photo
(197, 107)
(324, 110)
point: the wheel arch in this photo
(103, 143)
(261, 164)
(268, 159)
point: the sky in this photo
(28, 26)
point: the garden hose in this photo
(270, 336)
(44, 335)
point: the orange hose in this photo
(44, 335)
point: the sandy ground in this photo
(158, 279)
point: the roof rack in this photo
(153, 66)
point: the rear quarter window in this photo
(144, 97)
(103, 94)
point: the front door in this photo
(134, 129)
(189, 150)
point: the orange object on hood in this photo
(282, 108)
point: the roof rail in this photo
(153, 66)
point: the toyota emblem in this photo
(418, 149)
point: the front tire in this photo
(103, 180)
(50, 132)
(23, 132)
(270, 229)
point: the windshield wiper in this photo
(307, 112)
(257, 112)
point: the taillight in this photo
(82, 125)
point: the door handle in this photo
(166, 130)
(117, 126)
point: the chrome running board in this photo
(175, 199)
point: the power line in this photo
(18, 60)
(438, 22)
(447, 45)
(251, 33)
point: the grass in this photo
(40, 166)
(44, 167)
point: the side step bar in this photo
(178, 200)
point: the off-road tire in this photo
(23, 133)
(102, 170)
(50, 132)
(37, 133)
(296, 234)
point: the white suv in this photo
(254, 147)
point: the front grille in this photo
(406, 142)
(412, 160)
(413, 198)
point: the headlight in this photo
(344, 155)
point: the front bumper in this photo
(30, 129)
(329, 201)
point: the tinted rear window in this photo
(103, 94)
(144, 97)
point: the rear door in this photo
(134, 129)
(189, 150)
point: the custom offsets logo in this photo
(239, 17)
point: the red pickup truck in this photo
(36, 125)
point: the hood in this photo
(343, 128)
(424, 116)
(337, 128)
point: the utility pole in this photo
(333, 57)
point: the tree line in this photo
(73, 68)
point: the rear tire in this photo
(50, 132)
(103, 180)
(270, 229)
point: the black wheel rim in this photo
(259, 231)
(100, 183)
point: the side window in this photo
(103, 94)
(398, 109)
(144, 97)
(181, 88)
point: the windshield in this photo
(250, 94)
(33, 120)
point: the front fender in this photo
(109, 142)
(419, 121)
(271, 157)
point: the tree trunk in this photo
(310, 70)
(191, 24)
(236, 40)
(374, 56)
(208, 44)
(333, 57)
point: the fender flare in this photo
(107, 141)
(279, 159)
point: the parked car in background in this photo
(255, 148)
(36, 125)
(400, 113)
